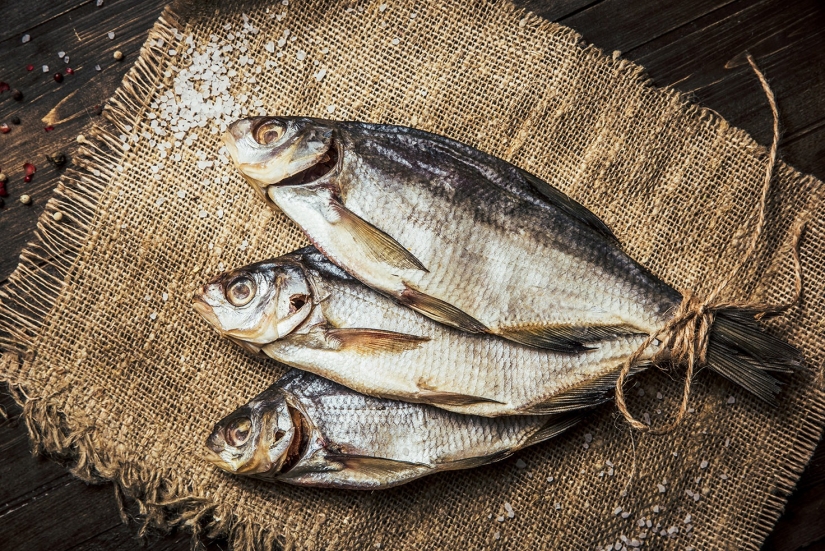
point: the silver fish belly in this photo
(330, 436)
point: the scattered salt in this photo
(203, 213)
(521, 464)
(153, 316)
(382, 7)
(45, 68)
(588, 437)
(395, 41)
(509, 508)
(703, 465)
(99, 3)
(319, 76)
(300, 55)
(659, 396)
(688, 519)
(662, 488)
(496, 535)
(731, 400)
(617, 511)
(270, 46)
(500, 518)
(182, 193)
(330, 108)
(61, 55)
(97, 68)
(626, 514)
(656, 509)
(25, 38)
(165, 296)
(557, 506)
(550, 479)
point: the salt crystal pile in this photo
(201, 96)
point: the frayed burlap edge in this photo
(46, 267)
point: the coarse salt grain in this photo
(521, 464)
(330, 108)
(625, 514)
(61, 55)
(500, 518)
(153, 316)
(382, 7)
(731, 400)
(557, 506)
(688, 519)
(165, 296)
(25, 38)
(661, 488)
(319, 76)
(395, 41)
(203, 213)
(656, 509)
(617, 511)
(509, 508)
(45, 68)
(703, 465)
(182, 193)
(496, 535)
(300, 55)
(111, 35)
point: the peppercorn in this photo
(2, 203)
(58, 160)
(118, 55)
(17, 95)
(15, 120)
(58, 77)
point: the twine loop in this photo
(685, 337)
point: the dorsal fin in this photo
(567, 205)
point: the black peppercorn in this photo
(58, 160)
(15, 120)
(17, 95)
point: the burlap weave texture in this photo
(119, 369)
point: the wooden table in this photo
(696, 46)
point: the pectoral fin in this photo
(370, 341)
(440, 311)
(378, 246)
(564, 338)
(440, 398)
(377, 468)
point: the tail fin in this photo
(742, 352)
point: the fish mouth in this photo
(300, 439)
(206, 312)
(324, 166)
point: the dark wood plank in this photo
(67, 106)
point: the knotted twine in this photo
(684, 339)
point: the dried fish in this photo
(309, 431)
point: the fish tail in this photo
(742, 352)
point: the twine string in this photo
(684, 338)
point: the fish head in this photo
(260, 438)
(282, 151)
(256, 304)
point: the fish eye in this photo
(269, 132)
(237, 432)
(296, 302)
(240, 291)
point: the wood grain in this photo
(698, 47)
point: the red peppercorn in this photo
(30, 67)
(29, 168)
(4, 128)
(4, 86)
(3, 192)
(58, 77)
(69, 71)
(49, 128)
(27, 178)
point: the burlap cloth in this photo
(117, 371)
